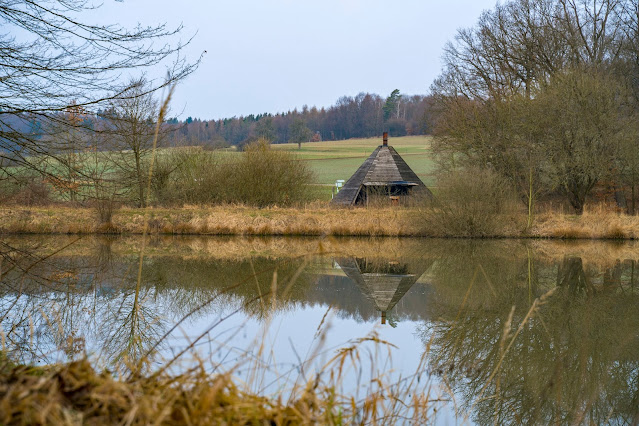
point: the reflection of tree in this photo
(65, 301)
(576, 360)
(129, 330)
(248, 281)
(571, 275)
(52, 306)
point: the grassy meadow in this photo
(329, 161)
(332, 160)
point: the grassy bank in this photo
(75, 394)
(215, 221)
(316, 220)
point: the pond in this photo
(506, 331)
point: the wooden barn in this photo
(384, 175)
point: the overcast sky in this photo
(273, 56)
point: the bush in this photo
(472, 202)
(194, 178)
(265, 177)
(27, 192)
(259, 176)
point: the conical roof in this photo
(384, 167)
(382, 285)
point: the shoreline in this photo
(597, 224)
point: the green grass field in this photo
(340, 159)
(329, 161)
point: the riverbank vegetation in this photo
(596, 222)
(74, 393)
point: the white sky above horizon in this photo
(274, 56)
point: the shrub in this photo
(30, 192)
(264, 177)
(259, 176)
(472, 202)
(193, 178)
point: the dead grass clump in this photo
(616, 232)
(223, 230)
(597, 221)
(77, 394)
(184, 228)
(265, 230)
(568, 232)
(108, 228)
(339, 231)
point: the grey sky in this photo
(273, 56)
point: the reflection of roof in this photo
(384, 167)
(386, 287)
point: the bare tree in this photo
(501, 74)
(132, 123)
(51, 57)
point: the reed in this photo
(597, 222)
(76, 394)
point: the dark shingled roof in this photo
(384, 167)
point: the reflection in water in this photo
(383, 282)
(521, 332)
(572, 357)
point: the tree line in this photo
(545, 93)
(362, 116)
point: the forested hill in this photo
(365, 115)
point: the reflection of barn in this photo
(384, 174)
(383, 282)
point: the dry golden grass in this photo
(226, 220)
(75, 394)
(598, 221)
(317, 219)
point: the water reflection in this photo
(383, 282)
(520, 331)
(571, 357)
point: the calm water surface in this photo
(497, 331)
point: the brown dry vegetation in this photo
(234, 220)
(313, 220)
(596, 222)
(75, 394)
